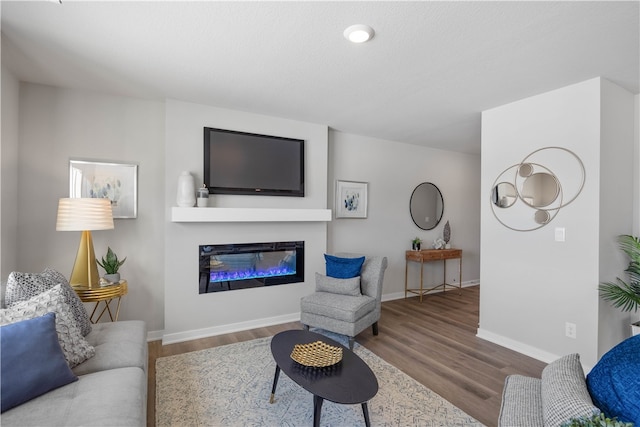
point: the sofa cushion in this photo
(564, 391)
(521, 402)
(341, 307)
(349, 286)
(75, 348)
(343, 268)
(614, 383)
(32, 361)
(118, 345)
(23, 286)
(115, 397)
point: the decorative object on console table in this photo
(111, 266)
(203, 196)
(446, 235)
(84, 215)
(351, 199)
(415, 243)
(623, 295)
(427, 255)
(186, 197)
(104, 295)
(99, 180)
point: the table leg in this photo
(444, 278)
(317, 408)
(365, 411)
(460, 277)
(421, 271)
(275, 383)
(406, 272)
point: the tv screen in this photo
(247, 163)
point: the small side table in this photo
(103, 294)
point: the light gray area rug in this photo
(231, 386)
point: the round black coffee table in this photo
(348, 382)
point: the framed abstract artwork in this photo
(351, 199)
(117, 182)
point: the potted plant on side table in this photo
(621, 294)
(111, 264)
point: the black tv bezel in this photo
(250, 191)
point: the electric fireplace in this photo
(250, 265)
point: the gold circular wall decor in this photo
(528, 195)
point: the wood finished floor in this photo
(434, 342)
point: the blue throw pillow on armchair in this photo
(343, 268)
(614, 383)
(32, 361)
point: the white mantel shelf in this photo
(249, 215)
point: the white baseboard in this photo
(227, 329)
(517, 346)
(154, 335)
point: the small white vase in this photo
(186, 197)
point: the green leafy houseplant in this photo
(621, 294)
(111, 264)
(600, 420)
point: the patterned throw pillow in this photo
(23, 286)
(564, 391)
(75, 348)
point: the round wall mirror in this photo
(426, 206)
(540, 189)
(504, 195)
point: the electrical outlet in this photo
(570, 330)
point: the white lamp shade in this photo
(82, 214)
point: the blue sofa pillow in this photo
(343, 268)
(32, 360)
(614, 383)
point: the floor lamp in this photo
(85, 215)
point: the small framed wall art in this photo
(351, 199)
(117, 182)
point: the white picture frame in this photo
(351, 199)
(117, 182)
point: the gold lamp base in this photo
(85, 269)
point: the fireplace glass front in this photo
(250, 265)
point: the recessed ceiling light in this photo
(359, 33)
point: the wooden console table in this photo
(427, 255)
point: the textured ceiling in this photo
(430, 70)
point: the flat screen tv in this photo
(247, 163)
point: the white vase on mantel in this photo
(186, 190)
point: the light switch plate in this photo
(559, 234)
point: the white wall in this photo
(57, 124)
(187, 313)
(636, 169)
(9, 174)
(616, 217)
(392, 171)
(531, 284)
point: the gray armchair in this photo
(348, 314)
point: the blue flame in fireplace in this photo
(228, 276)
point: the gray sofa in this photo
(559, 396)
(111, 389)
